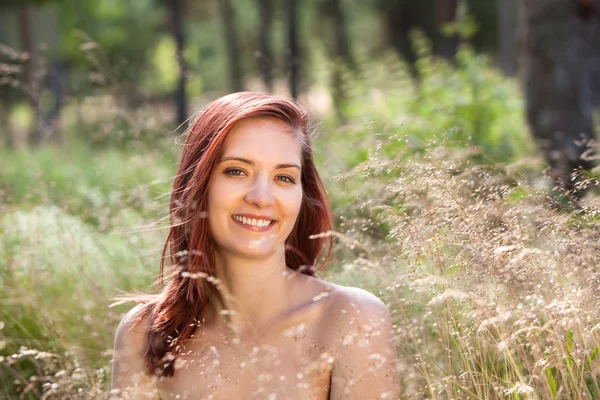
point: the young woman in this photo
(242, 315)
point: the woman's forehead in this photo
(263, 139)
(261, 124)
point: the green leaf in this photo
(551, 381)
(569, 348)
(591, 357)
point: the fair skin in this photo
(273, 333)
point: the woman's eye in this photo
(233, 172)
(287, 179)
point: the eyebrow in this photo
(250, 162)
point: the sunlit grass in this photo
(494, 293)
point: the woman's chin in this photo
(253, 251)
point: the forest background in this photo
(456, 140)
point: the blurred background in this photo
(171, 57)
(456, 139)
(177, 55)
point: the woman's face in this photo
(255, 191)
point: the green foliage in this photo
(468, 104)
(104, 121)
(473, 103)
(50, 257)
(163, 76)
(16, 3)
(73, 236)
(108, 41)
(94, 193)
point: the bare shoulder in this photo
(359, 297)
(132, 331)
(343, 294)
(129, 375)
(351, 303)
(133, 322)
(345, 310)
(360, 334)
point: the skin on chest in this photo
(290, 363)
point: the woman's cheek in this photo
(295, 203)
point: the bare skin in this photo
(335, 343)
(273, 333)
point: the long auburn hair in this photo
(174, 314)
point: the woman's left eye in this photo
(287, 179)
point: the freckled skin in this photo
(291, 358)
(336, 344)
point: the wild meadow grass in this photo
(494, 293)
(441, 210)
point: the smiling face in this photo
(255, 191)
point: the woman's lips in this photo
(254, 228)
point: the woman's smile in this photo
(255, 223)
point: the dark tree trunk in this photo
(507, 42)
(7, 131)
(561, 60)
(57, 81)
(30, 80)
(293, 48)
(265, 56)
(400, 17)
(233, 51)
(176, 8)
(342, 56)
(445, 12)
(398, 20)
(342, 49)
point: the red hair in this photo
(174, 314)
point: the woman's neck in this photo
(253, 292)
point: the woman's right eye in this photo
(234, 171)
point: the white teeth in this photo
(252, 221)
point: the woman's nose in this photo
(259, 194)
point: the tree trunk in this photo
(57, 80)
(342, 56)
(233, 51)
(176, 7)
(7, 131)
(400, 17)
(48, 31)
(445, 12)
(342, 47)
(561, 58)
(398, 20)
(507, 27)
(293, 48)
(30, 81)
(265, 56)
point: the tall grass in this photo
(440, 210)
(493, 292)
